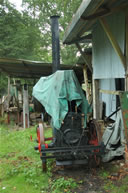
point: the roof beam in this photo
(113, 41)
(84, 57)
(79, 39)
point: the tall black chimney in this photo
(55, 43)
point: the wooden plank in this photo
(110, 92)
(84, 57)
(113, 40)
(96, 102)
(8, 91)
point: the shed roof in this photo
(31, 69)
(87, 15)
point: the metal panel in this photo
(108, 99)
(106, 63)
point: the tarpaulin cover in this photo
(54, 92)
(113, 139)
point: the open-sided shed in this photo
(19, 68)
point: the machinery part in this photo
(95, 139)
(71, 136)
(107, 118)
(41, 132)
(41, 140)
(71, 162)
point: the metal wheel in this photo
(41, 133)
(41, 140)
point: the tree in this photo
(27, 34)
(20, 35)
(42, 10)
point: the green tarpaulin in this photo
(54, 92)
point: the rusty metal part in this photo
(82, 120)
(98, 130)
(95, 139)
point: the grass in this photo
(120, 187)
(20, 165)
(113, 186)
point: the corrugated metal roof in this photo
(77, 24)
(31, 69)
(87, 15)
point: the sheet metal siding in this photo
(108, 99)
(106, 62)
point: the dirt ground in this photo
(106, 178)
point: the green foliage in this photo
(111, 187)
(42, 10)
(20, 164)
(62, 184)
(3, 84)
(27, 34)
(20, 35)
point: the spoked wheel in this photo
(94, 139)
(41, 141)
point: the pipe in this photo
(55, 43)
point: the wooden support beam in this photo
(96, 101)
(84, 57)
(113, 41)
(8, 91)
(87, 38)
(25, 107)
(110, 92)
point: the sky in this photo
(17, 3)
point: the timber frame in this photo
(100, 15)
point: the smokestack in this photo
(55, 43)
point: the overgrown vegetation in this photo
(20, 165)
(26, 34)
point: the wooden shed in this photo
(105, 23)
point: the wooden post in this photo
(113, 40)
(8, 91)
(96, 102)
(8, 115)
(86, 83)
(25, 107)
